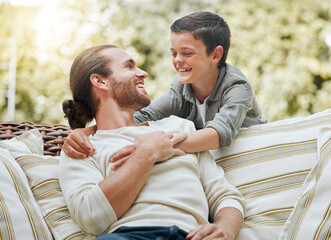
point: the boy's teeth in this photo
(184, 70)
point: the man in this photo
(149, 197)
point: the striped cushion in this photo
(20, 215)
(29, 142)
(311, 217)
(42, 173)
(268, 164)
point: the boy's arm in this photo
(238, 100)
(200, 140)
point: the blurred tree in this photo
(279, 45)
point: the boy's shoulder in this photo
(234, 71)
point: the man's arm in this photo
(226, 204)
(197, 141)
(95, 202)
(123, 186)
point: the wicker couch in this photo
(282, 169)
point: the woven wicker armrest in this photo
(53, 135)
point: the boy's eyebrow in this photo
(183, 48)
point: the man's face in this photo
(190, 58)
(127, 81)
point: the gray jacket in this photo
(230, 106)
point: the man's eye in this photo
(129, 66)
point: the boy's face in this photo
(190, 59)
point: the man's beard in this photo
(128, 96)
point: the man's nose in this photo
(141, 73)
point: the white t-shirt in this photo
(201, 107)
(181, 191)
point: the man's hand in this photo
(77, 144)
(209, 231)
(158, 144)
(226, 226)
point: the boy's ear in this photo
(218, 53)
(98, 81)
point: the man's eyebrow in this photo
(131, 61)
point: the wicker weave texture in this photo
(53, 135)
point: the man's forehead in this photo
(118, 54)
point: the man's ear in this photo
(218, 53)
(98, 81)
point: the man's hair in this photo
(208, 27)
(83, 107)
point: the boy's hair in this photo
(208, 27)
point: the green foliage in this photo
(279, 45)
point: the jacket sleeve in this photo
(236, 101)
(219, 192)
(87, 203)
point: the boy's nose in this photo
(178, 59)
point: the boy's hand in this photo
(77, 144)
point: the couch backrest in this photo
(53, 135)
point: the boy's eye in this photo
(187, 54)
(174, 54)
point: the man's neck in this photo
(111, 116)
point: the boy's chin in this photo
(184, 80)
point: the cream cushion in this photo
(42, 173)
(21, 217)
(311, 216)
(269, 163)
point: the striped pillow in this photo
(20, 215)
(42, 173)
(311, 216)
(268, 164)
(27, 143)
